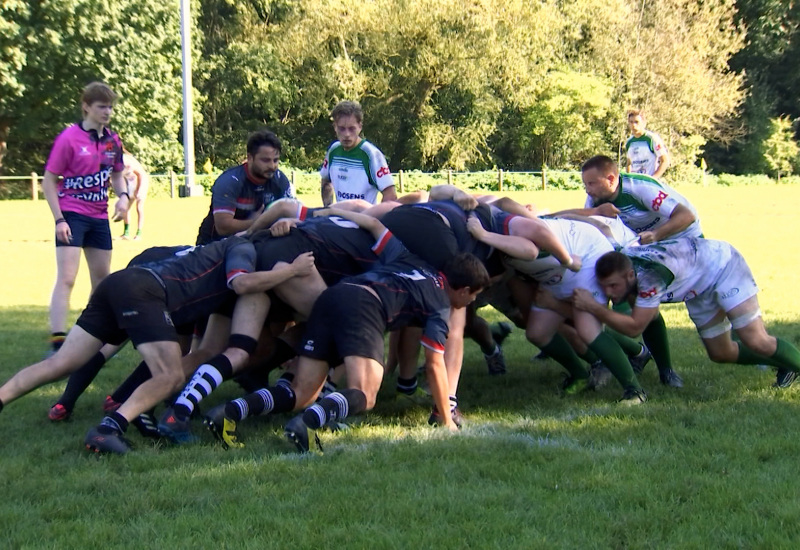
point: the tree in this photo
(780, 149)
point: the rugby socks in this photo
(631, 347)
(140, 375)
(57, 340)
(559, 349)
(278, 399)
(113, 423)
(407, 385)
(656, 339)
(205, 380)
(257, 377)
(80, 380)
(336, 406)
(285, 379)
(615, 359)
(1, 405)
(786, 356)
(589, 356)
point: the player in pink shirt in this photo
(88, 155)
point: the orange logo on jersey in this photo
(383, 171)
(648, 293)
(659, 200)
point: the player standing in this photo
(645, 150)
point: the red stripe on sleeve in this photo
(431, 345)
(381, 243)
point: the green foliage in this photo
(780, 149)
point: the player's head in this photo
(263, 154)
(466, 277)
(600, 177)
(636, 122)
(347, 117)
(97, 103)
(615, 275)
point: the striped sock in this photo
(277, 399)
(205, 380)
(336, 406)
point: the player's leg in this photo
(68, 260)
(76, 350)
(300, 293)
(408, 346)
(542, 331)
(364, 377)
(99, 263)
(140, 197)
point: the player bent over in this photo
(714, 281)
(402, 290)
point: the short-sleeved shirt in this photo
(85, 159)
(646, 204)
(238, 192)
(643, 152)
(359, 173)
(677, 270)
(412, 292)
(198, 280)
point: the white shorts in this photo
(734, 285)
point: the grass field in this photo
(713, 465)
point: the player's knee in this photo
(763, 345)
(723, 355)
(534, 337)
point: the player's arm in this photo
(544, 299)
(226, 224)
(680, 218)
(663, 160)
(539, 234)
(630, 325)
(509, 205)
(603, 228)
(364, 221)
(123, 198)
(281, 208)
(516, 247)
(389, 194)
(326, 189)
(50, 190)
(261, 281)
(447, 192)
(437, 382)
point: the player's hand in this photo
(607, 210)
(464, 200)
(475, 228)
(282, 227)
(583, 300)
(576, 264)
(303, 264)
(647, 237)
(63, 233)
(121, 208)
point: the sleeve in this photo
(654, 197)
(589, 202)
(59, 155)
(388, 248)
(324, 172)
(240, 259)
(659, 148)
(119, 164)
(434, 333)
(379, 169)
(287, 188)
(651, 289)
(224, 193)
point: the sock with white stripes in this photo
(205, 380)
(336, 406)
(277, 399)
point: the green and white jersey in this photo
(643, 152)
(359, 173)
(677, 270)
(646, 203)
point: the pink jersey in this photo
(86, 162)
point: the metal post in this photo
(188, 121)
(400, 182)
(292, 179)
(544, 177)
(500, 180)
(171, 184)
(449, 177)
(34, 186)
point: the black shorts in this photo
(346, 320)
(87, 232)
(424, 233)
(128, 303)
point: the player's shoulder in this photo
(235, 174)
(638, 180)
(370, 149)
(335, 147)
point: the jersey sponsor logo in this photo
(414, 275)
(347, 196)
(648, 293)
(383, 171)
(554, 280)
(168, 318)
(309, 345)
(730, 293)
(659, 200)
(84, 151)
(84, 182)
(130, 313)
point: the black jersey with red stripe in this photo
(340, 241)
(197, 280)
(412, 292)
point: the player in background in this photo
(353, 167)
(138, 181)
(240, 194)
(88, 155)
(645, 150)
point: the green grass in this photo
(710, 466)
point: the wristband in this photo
(60, 220)
(127, 196)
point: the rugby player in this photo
(645, 150)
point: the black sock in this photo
(338, 405)
(407, 385)
(277, 399)
(1, 404)
(113, 423)
(285, 379)
(80, 380)
(139, 376)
